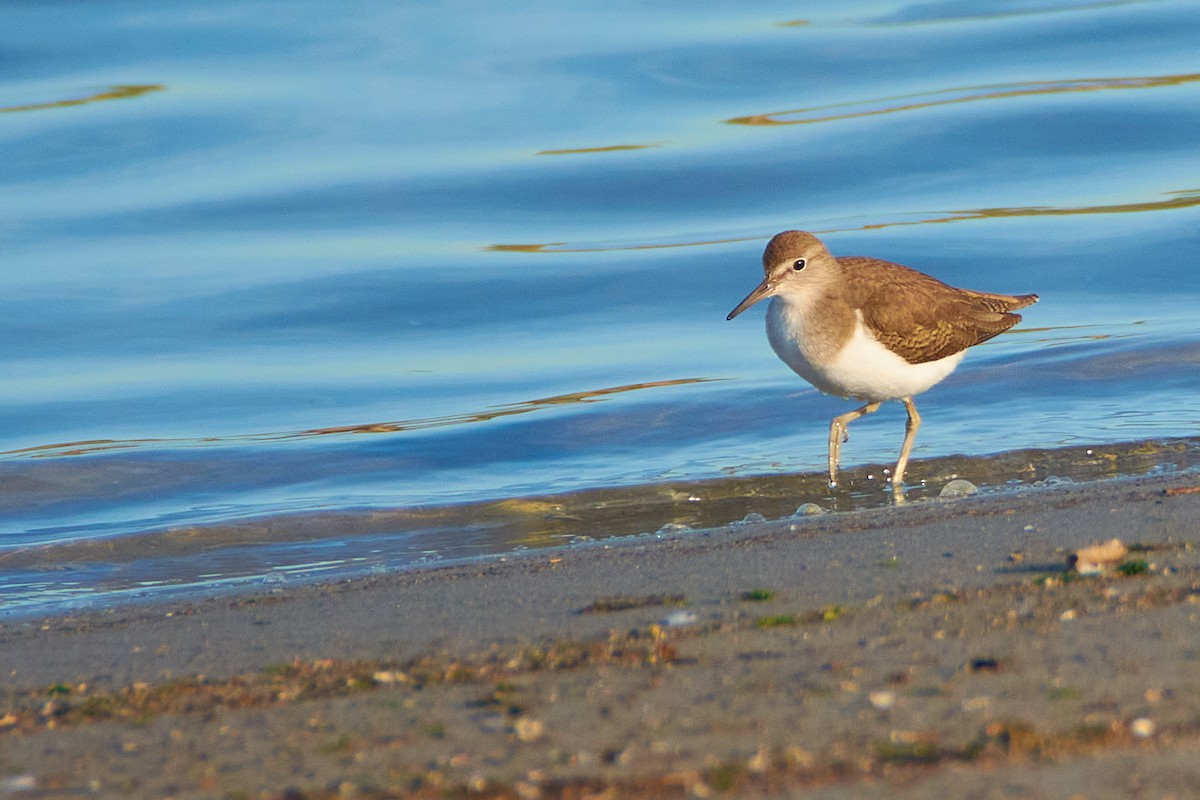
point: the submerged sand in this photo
(939, 648)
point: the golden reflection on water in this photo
(612, 148)
(525, 248)
(119, 92)
(565, 247)
(1176, 200)
(966, 94)
(92, 446)
(1186, 198)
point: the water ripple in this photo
(612, 148)
(1174, 200)
(953, 96)
(119, 92)
(927, 14)
(93, 446)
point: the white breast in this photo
(861, 368)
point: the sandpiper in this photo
(869, 329)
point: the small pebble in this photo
(527, 791)
(979, 703)
(1142, 727)
(753, 518)
(680, 619)
(1054, 480)
(958, 488)
(883, 700)
(529, 729)
(390, 676)
(1097, 558)
(808, 510)
(18, 783)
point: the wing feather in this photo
(920, 318)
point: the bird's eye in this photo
(798, 264)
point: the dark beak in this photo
(761, 291)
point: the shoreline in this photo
(263, 554)
(623, 562)
(855, 652)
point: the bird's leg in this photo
(838, 434)
(910, 433)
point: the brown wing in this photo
(920, 318)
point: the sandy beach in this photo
(935, 649)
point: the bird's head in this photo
(794, 261)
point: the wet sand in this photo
(938, 648)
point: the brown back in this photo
(920, 318)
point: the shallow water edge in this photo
(270, 553)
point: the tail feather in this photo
(1002, 302)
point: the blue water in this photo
(271, 258)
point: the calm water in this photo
(263, 259)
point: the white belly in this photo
(861, 368)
